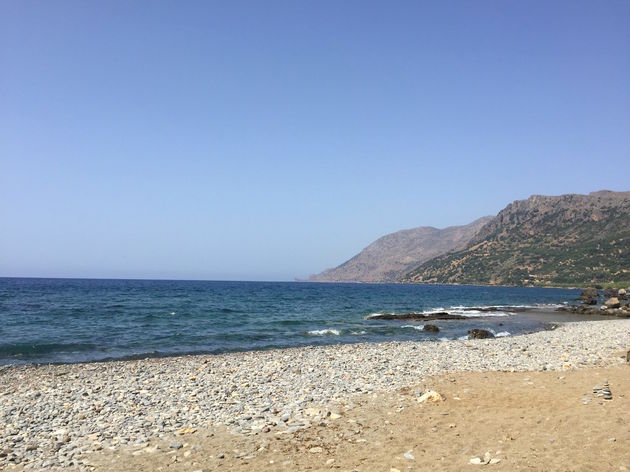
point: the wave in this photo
(324, 332)
(467, 312)
(477, 311)
(28, 350)
(418, 327)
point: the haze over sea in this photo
(75, 320)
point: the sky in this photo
(250, 140)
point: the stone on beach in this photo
(430, 396)
(478, 333)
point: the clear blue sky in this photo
(270, 140)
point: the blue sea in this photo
(81, 320)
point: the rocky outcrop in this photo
(387, 259)
(611, 306)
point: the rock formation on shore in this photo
(609, 302)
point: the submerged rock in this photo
(431, 328)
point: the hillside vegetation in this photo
(561, 241)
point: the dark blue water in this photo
(76, 320)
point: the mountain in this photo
(562, 241)
(388, 258)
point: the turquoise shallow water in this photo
(77, 320)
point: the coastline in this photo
(68, 414)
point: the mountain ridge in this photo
(391, 256)
(570, 239)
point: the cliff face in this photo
(388, 258)
(564, 240)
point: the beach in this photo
(527, 401)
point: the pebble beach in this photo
(56, 416)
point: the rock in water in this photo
(479, 334)
(588, 293)
(613, 302)
(431, 328)
(589, 296)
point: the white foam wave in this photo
(358, 333)
(418, 327)
(477, 311)
(479, 314)
(502, 334)
(434, 310)
(324, 332)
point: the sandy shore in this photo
(527, 401)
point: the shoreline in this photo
(64, 413)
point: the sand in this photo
(529, 421)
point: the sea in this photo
(86, 320)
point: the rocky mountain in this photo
(389, 258)
(563, 240)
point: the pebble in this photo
(87, 407)
(431, 396)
